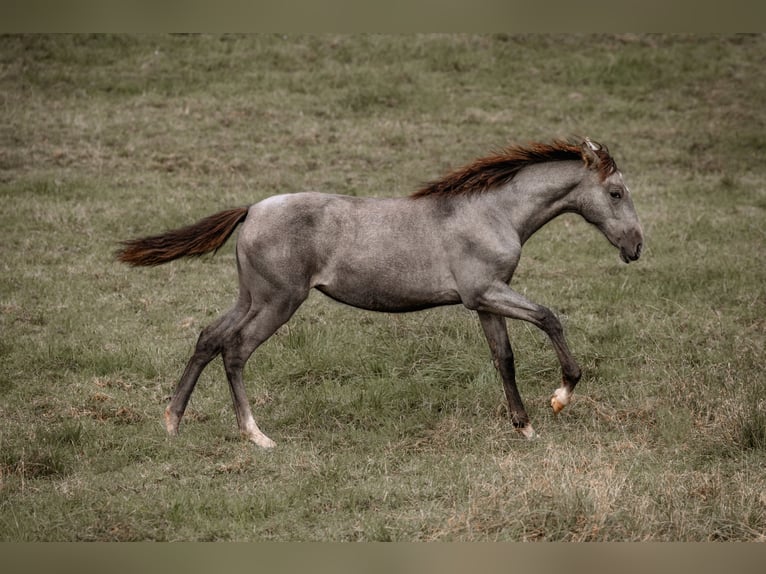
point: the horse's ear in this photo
(589, 153)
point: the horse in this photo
(456, 240)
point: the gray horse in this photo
(456, 240)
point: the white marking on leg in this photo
(254, 434)
(171, 422)
(561, 398)
(527, 431)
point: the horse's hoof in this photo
(527, 431)
(263, 441)
(561, 398)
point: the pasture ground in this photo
(389, 427)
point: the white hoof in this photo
(262, 440)
(561, 398)
(527, 431)
(255, 435)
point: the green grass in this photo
(389, 427)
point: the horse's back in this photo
(379, 254)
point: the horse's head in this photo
(604, 200)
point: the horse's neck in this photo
(538, 194)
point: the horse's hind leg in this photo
(241, 342)
(209, 345)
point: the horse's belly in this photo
(387, 293)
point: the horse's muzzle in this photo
(628, 255)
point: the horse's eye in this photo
(616, 194)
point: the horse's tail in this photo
(206, 235)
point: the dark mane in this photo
(500, 168)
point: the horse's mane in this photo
(500, 168)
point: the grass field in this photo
(388, 427)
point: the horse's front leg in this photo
(497, 336)
(500, 299)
